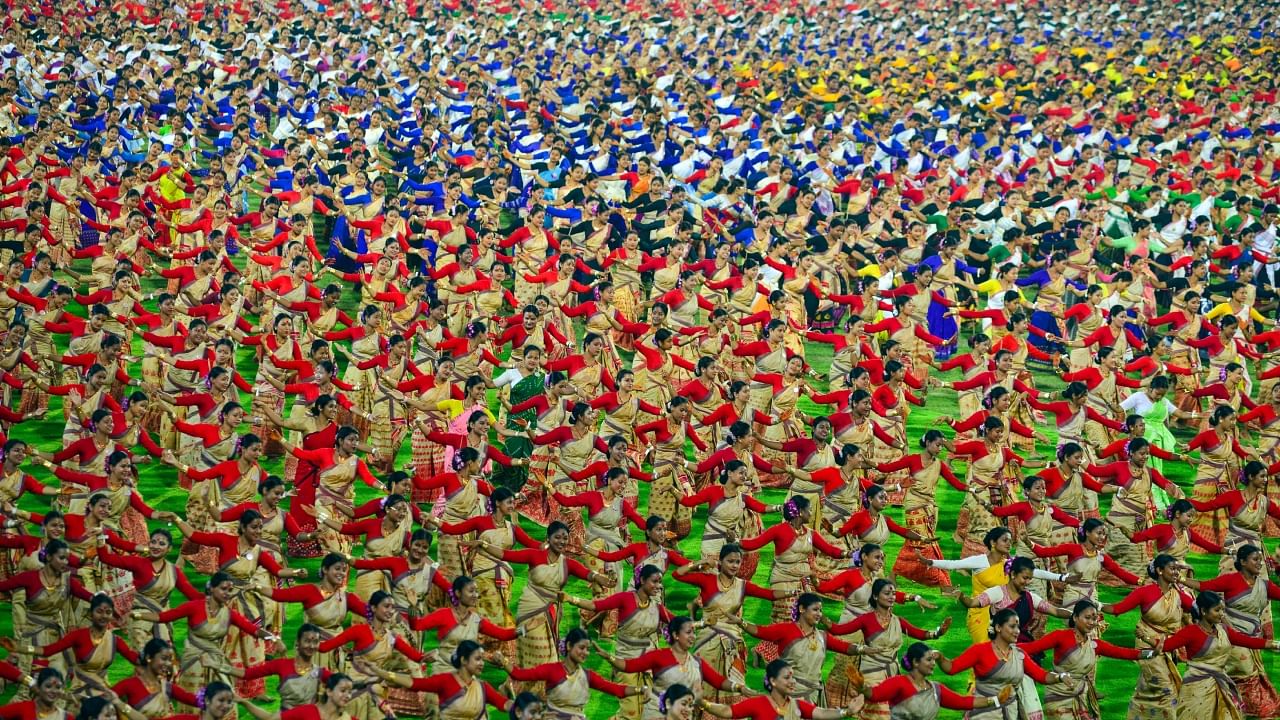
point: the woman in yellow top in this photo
(989, 571)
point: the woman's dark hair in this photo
(555, 527)
(991, 424)
(737, 431)
(115, 458)
(465, 455)
(998, 618)
(211, 691)
(464, 650)
(931, 435)
(575, 636)
(773, 670)
(1205, 602)
(1075, 390)
(1080, 608)
(377, 598)
(1160, 563)
(878, 587)
(270, 483)
(1220, 413)
(48, 674)
(645, 573)
(993, 536)
(305, 628)
(730, 467)
(343, 433)
(522, 702)
(730, 549)
(1020, 565)
(672, 695)
(1244, 553)
(91, 707)
(332, 559)
(914, 654)
(793, 507)
(1251, 469)
(100, 599)
(154, 647)
(248, 518)
(335, 680)
(1089, 526)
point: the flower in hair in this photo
(1008, 565)
(200, 698)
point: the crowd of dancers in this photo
(506, 264)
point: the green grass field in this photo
(1116, 678)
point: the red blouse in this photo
(657, 661)
(1064, 641)
(447, 688)
(1194, 639)
(554, 674)
(444, 620)
(982, 658)
(1075, 551)
(782, 536)
(135, 692)
(360, 636)
(80, 642)
(197, 613)
(899, 689)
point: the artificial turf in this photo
(1116, 679)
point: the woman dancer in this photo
(1207, 690)
(674, 666)
(803, 644)
(640, 613)
(1247, 509)
(999, 663)
(205, 654)
(568, 683)
(795, 544)
(1248, 595)
(913, 696)
(883, 632)
(1086, 559)
(782, 702)
(1163, 603)
(1076, 650)
(721, 596)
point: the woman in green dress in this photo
(523, 381)
(1154, 407)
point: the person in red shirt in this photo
(337, 696)
(1076, 650)
(922, 697)
(461, 692)
(782, 702)
(1210, 644)
(566, 698)
(1000, 662)
(151, 689)
(46, 702)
